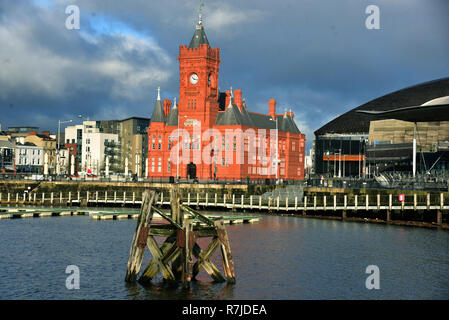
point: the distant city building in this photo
(73, 136)
(4, 136)
(29, 158)
(134, 144)
(96, 146)
(24, 130)
(7, 151)
(48, 145)
(91, 142)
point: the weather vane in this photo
(201, 9)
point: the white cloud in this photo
(220, 16)
(40, 57)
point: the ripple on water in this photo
(277, 258)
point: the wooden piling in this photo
(180, 247)
(140, 238)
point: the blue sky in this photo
(315, 57)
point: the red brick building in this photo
(219, 138)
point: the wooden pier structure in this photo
(385, 206)
(175, 258)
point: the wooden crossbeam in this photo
(166, 217)
(158, 255)
(201, 217)
(167, 249)
(204, 262)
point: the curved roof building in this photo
(355, 122)
(343, 146)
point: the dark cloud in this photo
(315, 57)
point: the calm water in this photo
(277, 258)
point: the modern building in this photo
(96, 146)
(90, 143)
(219, 137)
(73, 136)
(134, 144)
(360, 143)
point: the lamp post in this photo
(177, 151)
(277, 150)
(59, 142)
(339, 163)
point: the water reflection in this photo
(167, 290)
(297, 259)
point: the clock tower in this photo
(198, 81)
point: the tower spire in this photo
(199, 37)
(159, 93)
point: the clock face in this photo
(194, 78)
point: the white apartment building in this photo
(95, 145)
(29, 158)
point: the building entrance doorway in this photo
(191, 171)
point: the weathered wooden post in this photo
(180, 247)
(440, 210)
(304, 212)
(140, 238)
(390, 207)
